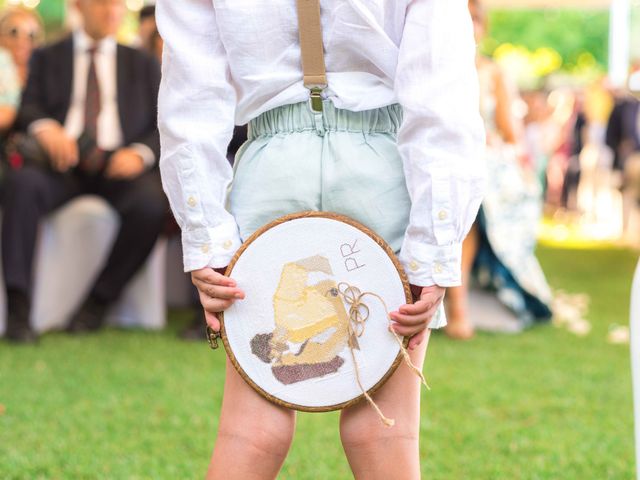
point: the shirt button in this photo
(442, 215)
(413, 266)
(227, 245)
(192, 202)
(205, 248)
(437, 267)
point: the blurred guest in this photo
(576, 141)
(623, 137)
(91, 105)
(9, 91)
(156, 45)
(9, 99)
(20, 33)
(537, 131)
(148, 36)
(565, 106)
(595, 196)
(500, 246)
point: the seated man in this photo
(91, 105)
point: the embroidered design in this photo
(311, 326)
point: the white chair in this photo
(635, 358)
(73, 246)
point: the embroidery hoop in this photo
(401, 275)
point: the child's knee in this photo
(367, 432)
(269, 435)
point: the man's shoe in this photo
(90, 317)
(18, 328)
(197, 329)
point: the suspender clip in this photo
(315, 99)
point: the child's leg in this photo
(378, 452)
(254, 435)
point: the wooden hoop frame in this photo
(376, 238)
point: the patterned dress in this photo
(9, 81)
(506, 262)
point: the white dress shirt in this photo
(234, 59)
(110, 136)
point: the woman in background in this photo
(20, 32)
(9, 91)
(500, 246)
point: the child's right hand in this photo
(217, 293)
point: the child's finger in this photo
(214, 305)
(212, 321)
(412, 320)
(209, 275)
(405, 331)
(216, 291)
(417, 339)
(417, 308)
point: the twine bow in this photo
(358, 316)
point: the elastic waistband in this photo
(299, 118)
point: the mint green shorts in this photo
(342, 161)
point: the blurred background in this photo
(561, 58)
(532, 380)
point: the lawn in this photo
(545, 404)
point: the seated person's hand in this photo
(217, 293)
(62, 149)
(125, 163)
(411, 320)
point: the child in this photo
(397, 144)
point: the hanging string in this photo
(358, 316)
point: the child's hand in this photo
(217, 293)
(411, 320)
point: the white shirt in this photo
(234, 59)
(109, 128)
(110, 136)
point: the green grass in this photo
(542, 405)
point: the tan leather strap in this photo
(310, 28)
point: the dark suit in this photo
(622, 131)
(32, 192)
(48, 91)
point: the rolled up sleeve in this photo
(442, 138)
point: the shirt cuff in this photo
(148, 157)
(428, 265)
(210, 247)
(42, 124)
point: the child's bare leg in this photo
(378, 452)
(254, 435)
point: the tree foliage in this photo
(571, 33)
